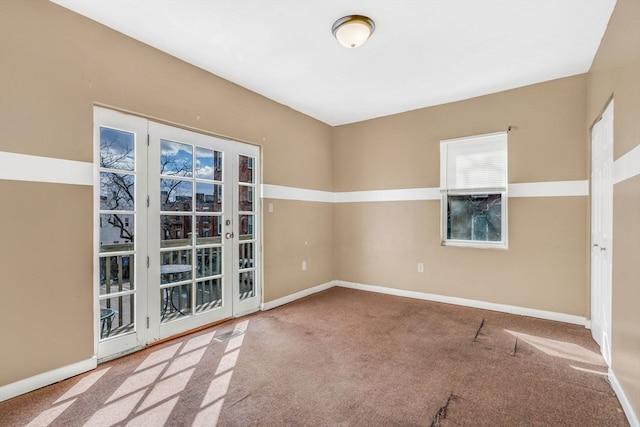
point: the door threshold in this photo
(119, 355)
(190, 331)
(152, 344)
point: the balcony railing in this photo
(117, 281)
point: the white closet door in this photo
(602, 230)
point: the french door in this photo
(178, 231)
(602, 230)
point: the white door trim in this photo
(148, 326)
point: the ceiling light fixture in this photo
(353, 30)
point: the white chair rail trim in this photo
(25, 167)
(530, 189)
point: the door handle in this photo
(228, 235)
(595, 245)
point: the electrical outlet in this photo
(304, 265)
(420, 267)
(270, 207)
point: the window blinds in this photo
(474, 163)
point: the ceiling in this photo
(422, 53)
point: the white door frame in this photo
(147, 323)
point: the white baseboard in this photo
(290, 298)
(624, 402)
(46, 378)
(511, 309)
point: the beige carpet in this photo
(345, 358)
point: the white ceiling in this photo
(422, 53)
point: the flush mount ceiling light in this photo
(353, 30)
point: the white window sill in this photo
(476, 244)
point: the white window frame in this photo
(493, 186)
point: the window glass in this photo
(116, 232)
(204, 163)
(175, 195)
(175, 230)
(208, 229)
(245, 198)
(117, 191)
(117, 149)
(476, 217)
(176, 159)
(246, 169)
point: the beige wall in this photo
(308, 228)
(46, 256)
(616, 73)
(382, 243)
(55, 66)
(402, 151)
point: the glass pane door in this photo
(247, 290)
(191, 247)
(120, 225)
(178, 231)
(202, 203)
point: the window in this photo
(217, 156)
(473, 182)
